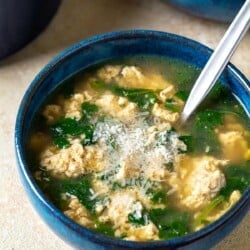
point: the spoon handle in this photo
(218, 60)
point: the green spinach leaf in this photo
(205, 138)
(172, 105)
(202, 217)
(188, 140)
(158, 196)
(70, 127)
(61, 142)
(237, 178)
(66, 126)
(88, 109)
(170, 222)
(104, 228)
(89, 134)
(144, 98)
(138, 221)
(182, 94)
(79, 188)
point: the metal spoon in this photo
(218, 60)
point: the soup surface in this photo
(108, 150)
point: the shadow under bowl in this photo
(97, 50)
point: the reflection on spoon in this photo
(218, 60)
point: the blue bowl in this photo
(97, 50)
(220, 10)
(22, 21)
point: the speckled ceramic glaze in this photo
(90, 52)
(220, 10)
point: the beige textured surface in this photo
(20, 226)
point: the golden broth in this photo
(108, 150)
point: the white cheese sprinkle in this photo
(144, 145)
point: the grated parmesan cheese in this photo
(144, 145)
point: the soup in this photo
(109, 151)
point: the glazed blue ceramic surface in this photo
(219, 10)
(21, 21)
(88, 53)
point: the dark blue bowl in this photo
(21, 21)
(96, 50)
(220, 10)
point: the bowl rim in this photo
(24, 169)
